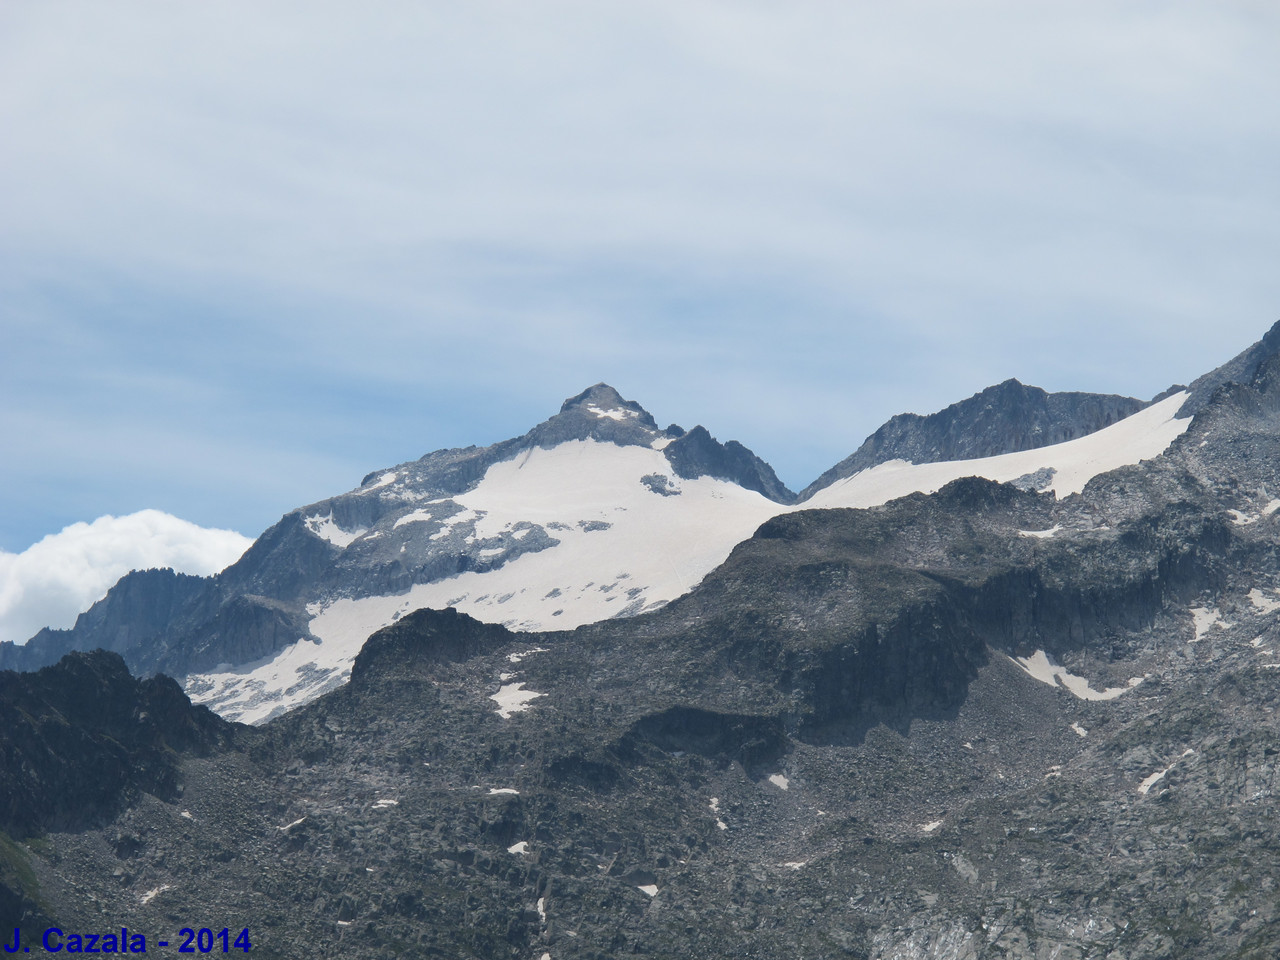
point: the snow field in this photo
(1142, 436)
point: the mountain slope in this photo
(1006, 418)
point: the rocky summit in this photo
(1014, 706)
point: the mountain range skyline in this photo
(61, 575)
(51, 582)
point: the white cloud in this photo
(51, 582)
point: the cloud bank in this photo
(51, 582)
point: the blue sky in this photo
(250, 252)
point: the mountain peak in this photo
(600, 413)
(1013, 383)
(604, 401)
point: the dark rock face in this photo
(698, 454)
(427, 636)
(245, 628)
(75, 736)
(142, 605)
(1001, 419)
(1241, 369)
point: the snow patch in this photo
(1242, 519)
(715, 808)
(493, 791)
(153, 893)
(1080, 731)
(1205, 619)
(1038, 666)
(1156, 777)
(779, 781)
(1261, 602)
(1271, 508)
(1041, 534)
(326, 529)
(448, 523)
(385, 804)
(415, 516)
(386, 479)
(795, 864)
(519, 848)
(613, 413)
(931, 826)
(513, 698)
(517, 657)
(650, 888)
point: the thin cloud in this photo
(51, 582)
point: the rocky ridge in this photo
(1001, 419)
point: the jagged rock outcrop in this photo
(142, 606)
(78, 735)
(1242, 368)
(698, 454)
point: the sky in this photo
(253, 251)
